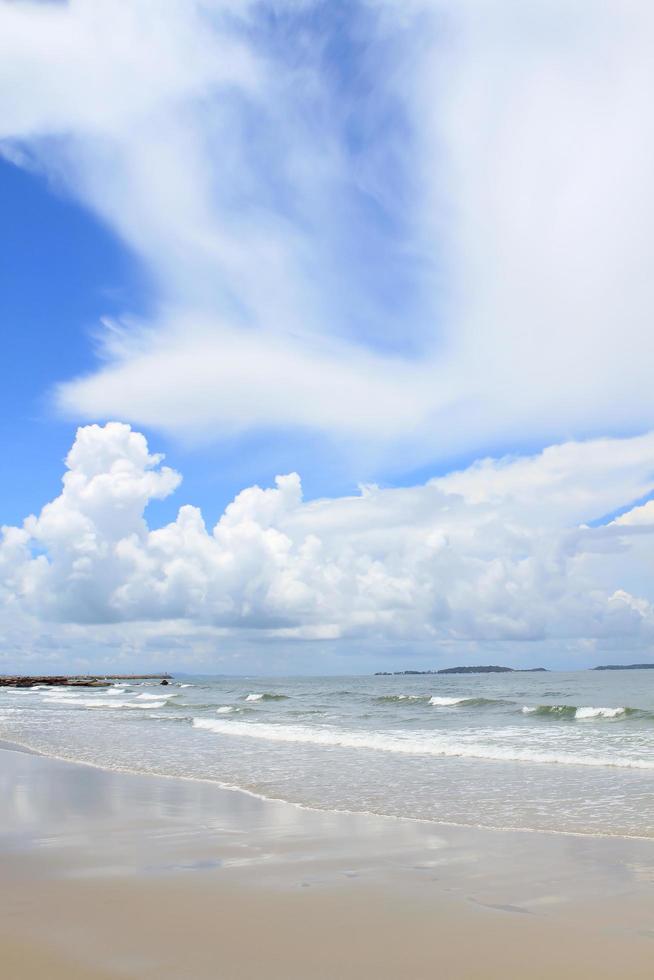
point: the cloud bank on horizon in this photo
(414, 229)
(497, 552)
(422, 226)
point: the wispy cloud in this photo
(425, 226)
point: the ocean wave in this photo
(443, 702)
(79, 702)
(148, 706)
(395, 698)
(266, 696)
(590, 712)
(438, 701)
(154, 716)
(225, 709)
(75, 699)
(409, 743)
(162, 696)
(580, 713)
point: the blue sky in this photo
(369, 243)
(64, 270)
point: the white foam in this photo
(186, 685)
(225, 709)
(411, 743)
(446, 702)
(254, 697)
(80, 702)
(155, 697)
(583, 713)
(590, 712)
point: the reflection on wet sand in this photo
(83, 848)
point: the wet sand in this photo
(110, 875)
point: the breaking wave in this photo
(580, 713)
(410, 743)
(266, 696)
(79, 702)
(438, 701)
(396, 698)
(443, 702)
(156, 697)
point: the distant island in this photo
(624, 667)
(489, 669)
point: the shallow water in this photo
(555, 751)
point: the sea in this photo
(559, 752)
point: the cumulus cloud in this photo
(435, 241)
(493, 553)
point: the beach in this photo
(557, 751)
(109, 874)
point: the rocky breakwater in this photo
(86, 680)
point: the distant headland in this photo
(494, 669)
(488, 669)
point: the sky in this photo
(326, 334)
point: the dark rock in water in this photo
(164, 681)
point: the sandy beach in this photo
(112, 875)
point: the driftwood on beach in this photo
(82, 680)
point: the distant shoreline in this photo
(493, 669)
(489, 669)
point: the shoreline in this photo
(9, 745)
(113, 874)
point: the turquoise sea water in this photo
(555, 751)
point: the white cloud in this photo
(542, 122)
(237, 381)
(501, 152)
(493, 553)
(641, 515)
